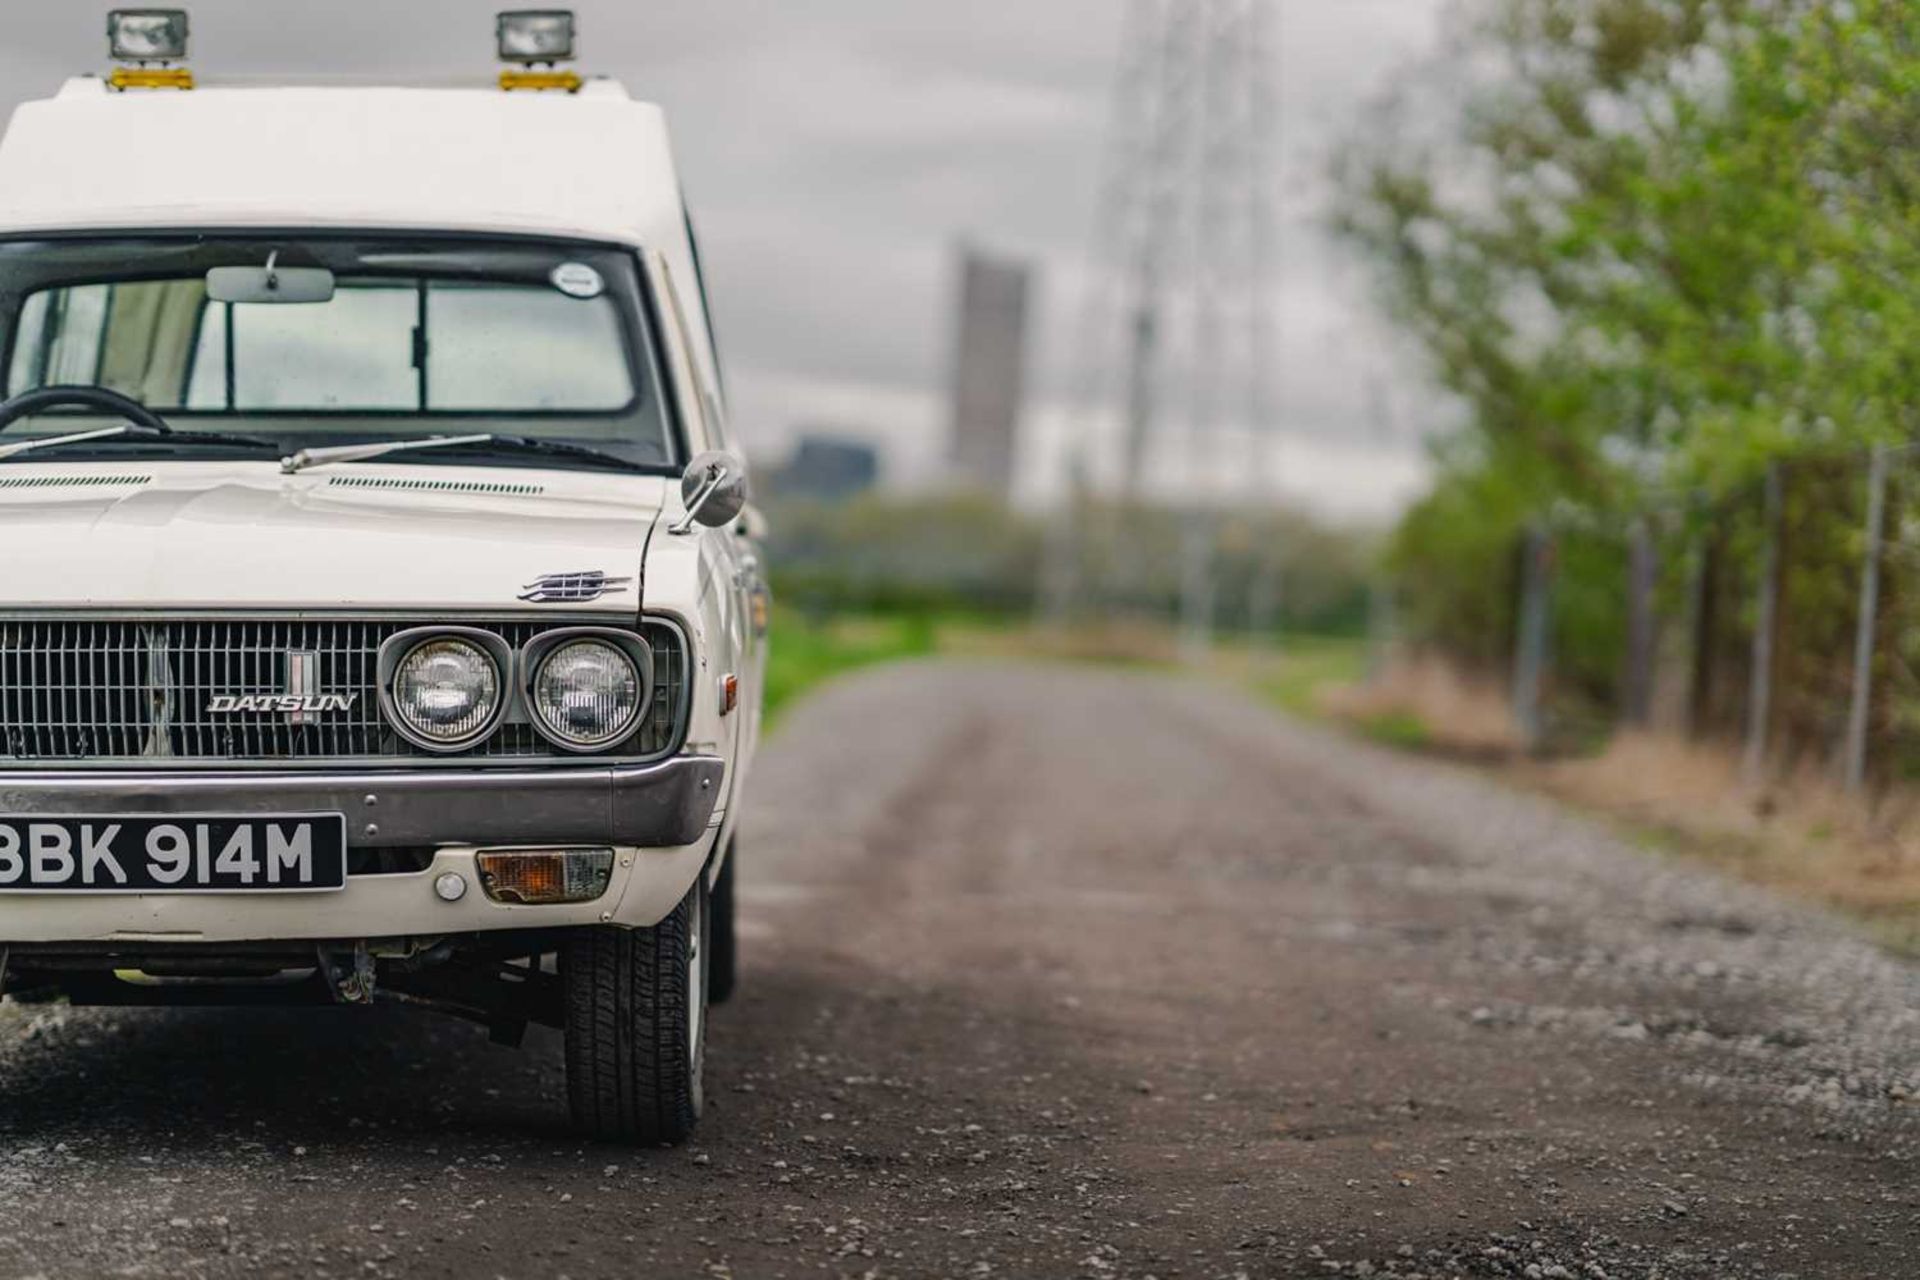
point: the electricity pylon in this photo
(1178, 317)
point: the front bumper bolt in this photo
(451, 886)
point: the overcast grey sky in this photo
(836, 150)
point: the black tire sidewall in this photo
(723, 968)
(701, 919)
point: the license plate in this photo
(173, 853)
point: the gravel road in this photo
(1057, 972)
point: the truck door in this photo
(729, 560)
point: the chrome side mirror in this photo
(715, 491)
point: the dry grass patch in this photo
(1802, 834)
(1427, 703)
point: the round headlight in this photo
(587, 694)
(446, 690)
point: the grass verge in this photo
(804, 654)
(1298, 670)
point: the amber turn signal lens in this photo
(545, 877)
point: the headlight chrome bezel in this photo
(399, 648)
(542, 648)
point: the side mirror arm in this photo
(714, 489)
(686, 523)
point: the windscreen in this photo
(532, 339)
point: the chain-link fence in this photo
(1782, 619)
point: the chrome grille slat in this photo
(136, 690)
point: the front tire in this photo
(636, 1026)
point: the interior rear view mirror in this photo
(270, 284)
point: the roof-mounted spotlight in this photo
(149, 39)
(534, 38)
(536, 35)
(147, 35)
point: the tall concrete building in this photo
(989, 370)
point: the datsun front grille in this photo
(133, 690)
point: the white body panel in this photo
(239, 535)
(187, 535)
(647, 884)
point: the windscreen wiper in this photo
(140, 434)
(306, 458)
(562, 449)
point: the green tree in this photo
(1664, 243)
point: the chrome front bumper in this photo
(662, 805)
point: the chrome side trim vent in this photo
(73, 482)
(396, 485)
(572, 588)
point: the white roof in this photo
(594, 164)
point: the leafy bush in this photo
(1664, 244)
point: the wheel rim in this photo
(696, 976)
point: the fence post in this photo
(1861, 713)
(1643, 568)
(1060, 556)
(1760, 690)
(1530, 647)
(1264, 600)
(1706, 593)
(1381, 625)
(1197, 589)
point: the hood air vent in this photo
(437, 486)
(73, 482)
(572, 588)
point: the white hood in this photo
(179, 536)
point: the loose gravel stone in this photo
(1056, 972)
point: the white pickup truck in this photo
(381, 614)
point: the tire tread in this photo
(628, 1075)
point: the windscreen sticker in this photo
(578, 280)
